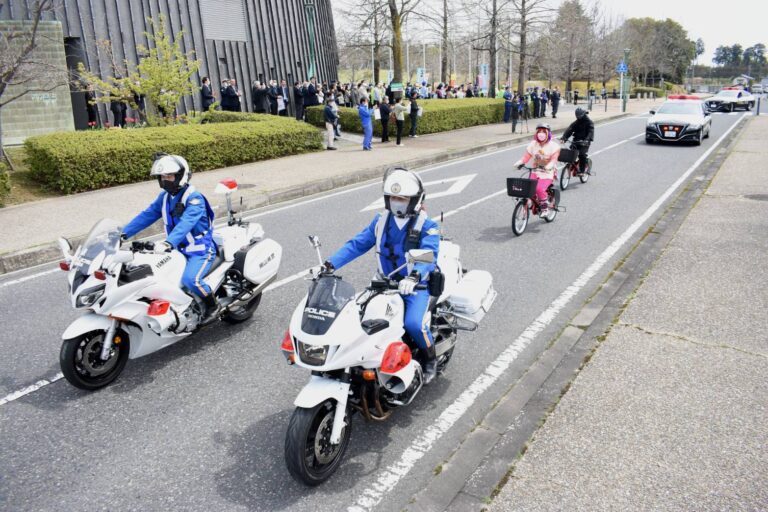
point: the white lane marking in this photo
(277, 284)
(29, 277)
(459, 183)
(389, 478)
(315, 199)
(30, 389)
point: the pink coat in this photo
(544, 158)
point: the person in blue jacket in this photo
(403, 226)
(366, 118)
(188, 220)
(507, 104)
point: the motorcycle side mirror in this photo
(653, 112)
(420, 256)
(66, 248)
(314, 241)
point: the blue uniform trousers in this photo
(507, 111)
(417, 318)
(367, 135)
(197, 267)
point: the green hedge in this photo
(78, 161)
(438, 116)
(223, 116)
(5, 183)
(646, 90)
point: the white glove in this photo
(407, 286)
(162, 247)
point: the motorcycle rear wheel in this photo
(309, 456)
(80, 360)
(243, 313)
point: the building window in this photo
(224, 20)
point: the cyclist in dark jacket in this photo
(583, 131)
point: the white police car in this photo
(682, 118)
(729, 99)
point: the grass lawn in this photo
(23, 188)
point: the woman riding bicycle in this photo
(544, 152)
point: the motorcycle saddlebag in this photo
(474, 295)
(521, 187)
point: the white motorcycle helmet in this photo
(403, 192)
(165, 165)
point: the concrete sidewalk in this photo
(30, 230)
(671, 412)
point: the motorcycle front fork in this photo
(109, 338)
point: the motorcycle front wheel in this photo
(309, 454)
(520, 217)
(81, 364)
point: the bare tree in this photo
(491, 15)
(368, 16)
(399, 10)
(528, 14)
(21, 70)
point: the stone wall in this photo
(38, 112)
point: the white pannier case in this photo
(474, 295)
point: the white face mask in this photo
(398, 206)
(541, 137)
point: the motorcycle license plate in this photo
(670, 134)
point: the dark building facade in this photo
(243, 39)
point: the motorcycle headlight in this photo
(313, 355)
(90, 296)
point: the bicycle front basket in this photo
(568, 156)
(521, 187)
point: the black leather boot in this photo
(212, 310)
(430, 364)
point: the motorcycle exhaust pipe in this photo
(240, 299)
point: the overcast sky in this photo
(724, 22)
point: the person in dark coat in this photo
(310, 94)
(385, 112)
(555, 102)
(414, 113)
(507, 104)
(285, 92)
(226, 99)
(536, 102)
(272, 94)
(206, 94)
(544, 100)
(90, 107)
(298, 100)
(515, 112)
(117, 112)
(260, 99)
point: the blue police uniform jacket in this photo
(365, 115)
(391, 254)
(191, 232)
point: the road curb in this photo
(49, 252)
(524, 407)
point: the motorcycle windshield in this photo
(327, 297)
(104, 237)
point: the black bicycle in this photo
(571, 168)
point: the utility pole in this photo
(625, 86)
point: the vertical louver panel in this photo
(224, 20)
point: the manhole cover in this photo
(757, 197)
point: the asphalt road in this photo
(201, 425)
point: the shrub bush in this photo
(5, 183)
(78, 161)
(438, 116)
(646, 90)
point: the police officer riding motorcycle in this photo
(583, 131)
(403, 226)
(188, 220)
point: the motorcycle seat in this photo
(217, 261)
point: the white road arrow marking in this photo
(459, 184)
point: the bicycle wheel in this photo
(565, 177)
(520, 217)
(585, 177)
(554, 199)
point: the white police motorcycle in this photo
(133, 299)
(361, 359)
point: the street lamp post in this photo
(625, 86)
